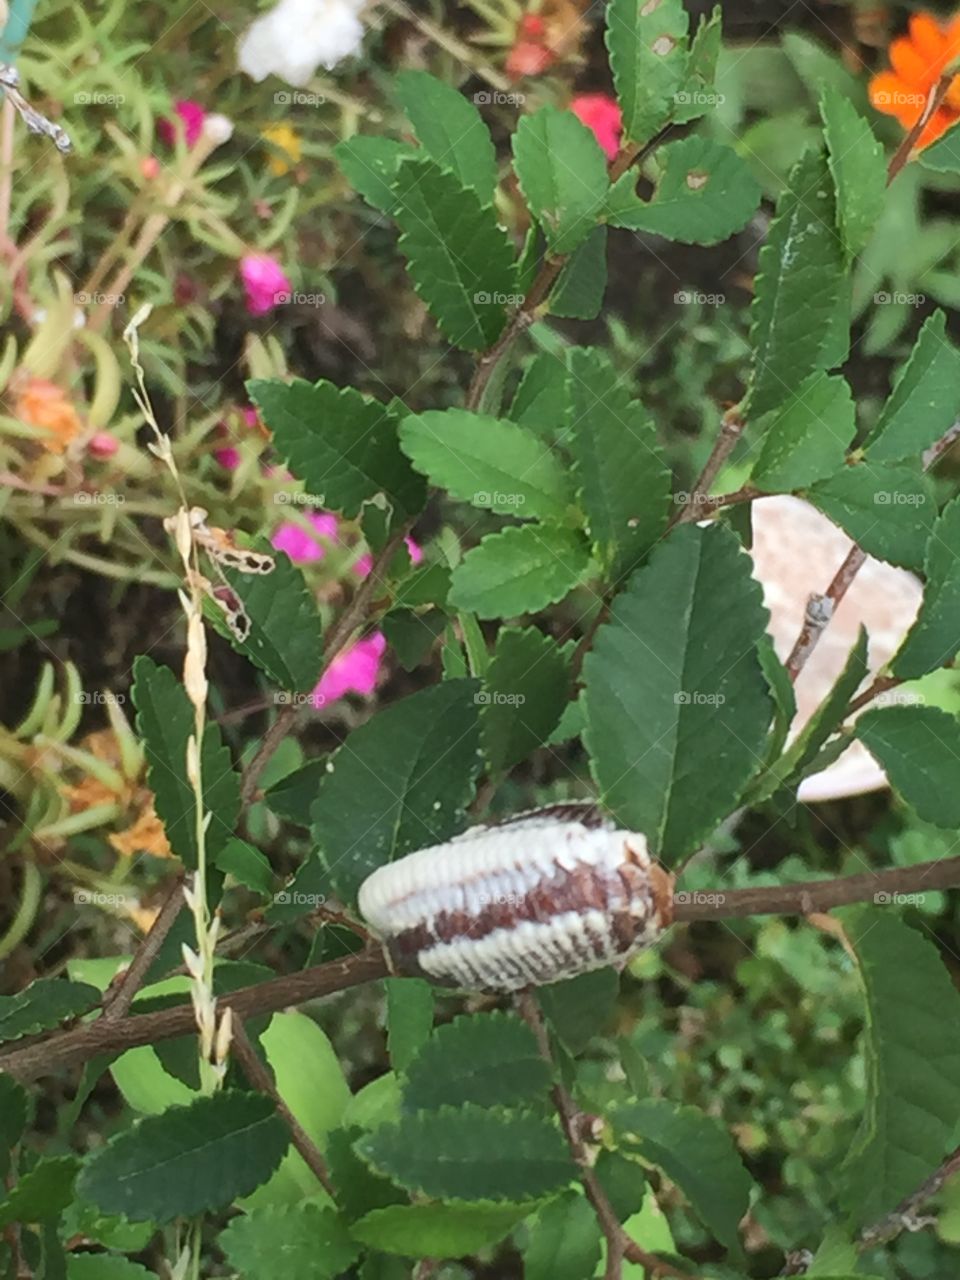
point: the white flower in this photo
(297, 36)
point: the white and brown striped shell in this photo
(547, 895)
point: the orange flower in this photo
(918, 60)
(43, 404)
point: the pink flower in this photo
(102, 445)
(265, 281)
(191, 118)
(365, 563)
(302, 546)
(353, 671)
(229, 455)
(600, 113)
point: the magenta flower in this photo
(102, 445)
(353, 671)
(302, 546)
(600, 113)
(191, 118)
(265, 282)
(229, 455)
(365, 563)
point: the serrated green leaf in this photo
(43, 1005)
(409, 1019)
(371, 164)
(705, 192)
(624, 481)
(101, 1266)
(695, 1151)
(472, 1153)
(578, 293)
(520, 570)
(187, 1159)
(649, 59)
(913, 1063)
(858, 166)
(525, 692)
(944, 154)
(564, 1241)
(542, 398)
(165, 722)
(678, 707)
(488, 1059)
(580, 1008)
(888, 509)
(800, 287)
(934, 638)
(697, 96)
(438, 1230)
(919, 747)
(358, 1190)
(489, 462)
(247, 865)
(400, 782)
(300, 1242)
(410, 636)
(293, 796)
(43, 1193)
(806, 439)
(450, 129)
(461, 262)
(925, 400)
(562, 174)
(341, 444)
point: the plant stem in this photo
(118, 999)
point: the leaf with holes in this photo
(649, 58)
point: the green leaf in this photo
(919, 747)
(486, 1059)
(14, 1113)
(461, 262)
(44, 1005)
(935, 636)
(371, 164)
(925, 400)
(341, 444)
(580, 1008)
(578, 293)
(165, 722)
(806, 439)
(542, 398)
(525, 692)
(799, 287)
(678, 707)
(247, 865)
(409, 1019)
(944, 154)
(187, 1159)
(649, 60)
(888, 509)
(858, 166)
(705, 192)
(624, 481)
(400, 782)
(695, 1151)
(520, 570)
(450, 129)
(472, 1153)
(562, 174)
(411, 636)
(696, 97)
(564, 1241)
(43, 1193)
(913, 1063)
(293, 796)
(101, 1266)
(357, 1188)
(488, 462)
(300, 1242)
(438, 1230)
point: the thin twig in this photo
(731, 429)
(903, 152)
(118, 999)
(905, 1216)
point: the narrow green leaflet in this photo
(913, 1063)
(247, 865)
(43, 1193)
(341, 444)
(472, 1153)
(562, 173)
(858, 165)
(564, 1240)
(298, 1241)
(14, 1112)
(806, 439)
(935, 636)
(292, 797)
(696, 97)
(888, 509)
(438, 1230)
(461, 262)
(165, 722)
(489, 1059)
(696, 1152)
(647, 43)
(409, 1019)
(800, 287)
(625, 484)
(489, 462)
(187, 1159)
(370, 165)
(705, 192)
(450, 129)
(43, 1005)
(919, 747)
(578, 293)
(520, 570)
(400, 782)
(925, 400)
(677, 704)
(524, 695)
(542, 398)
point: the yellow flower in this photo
(286, 139)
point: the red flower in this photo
(600, 113)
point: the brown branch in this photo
(820, 611)
(905, 1216)
(118, 999)
(902, 153)
(731, 429)
(259, 1076)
